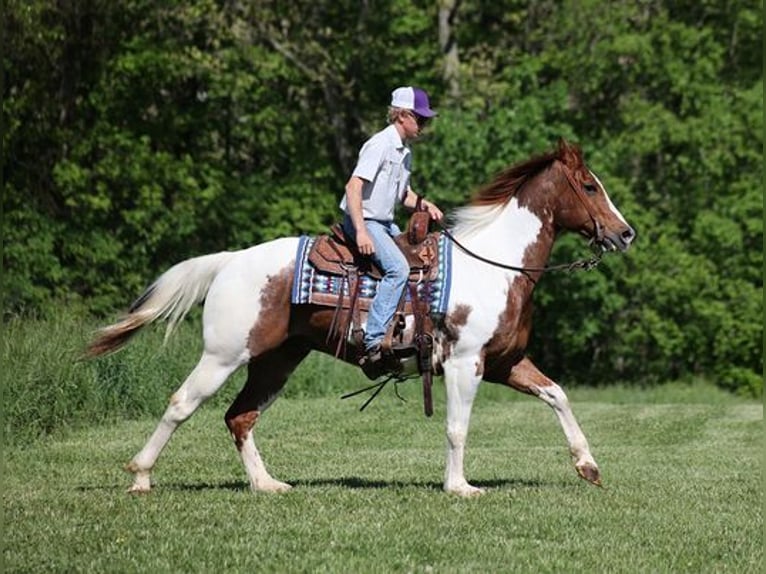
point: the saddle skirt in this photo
(322, 265)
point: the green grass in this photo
(681, 468)
(681, 465)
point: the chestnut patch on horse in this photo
(458, 318)
(266, 375)
(509, 341)
(451, 327)
(240, 425)
(270, 327)
(527, 378)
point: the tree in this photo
(140, 133)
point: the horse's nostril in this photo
(628, 235)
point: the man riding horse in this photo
(380, 179)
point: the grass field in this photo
(681, 468)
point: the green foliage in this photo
(48, 388)
(137, 134)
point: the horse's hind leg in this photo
(527, 378)
(206, 378)
(267, 374)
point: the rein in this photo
(586, 264)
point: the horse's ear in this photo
(569, 154)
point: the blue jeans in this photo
(396, 269)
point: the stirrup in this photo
(372, 363)
(379, 361)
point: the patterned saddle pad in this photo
(312, 286)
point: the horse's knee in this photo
(181, 407)
(240, 425)
(554, 395)
(456, 437)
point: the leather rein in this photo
(586, 264)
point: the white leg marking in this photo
(206, 378)
(462, 383)
(557, 399)
(259, 477)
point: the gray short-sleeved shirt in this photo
(384, 164)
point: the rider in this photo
(380, 178)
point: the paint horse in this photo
(248, 318)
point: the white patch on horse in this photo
(505, 239)
(555, 397)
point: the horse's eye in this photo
(590, 188)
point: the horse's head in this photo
(584, 206)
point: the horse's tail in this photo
(169, 298)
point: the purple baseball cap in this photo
(415, 99)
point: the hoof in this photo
(142, 483)
(590, 473)
(138, 489)
(465, 491)
(274, 486)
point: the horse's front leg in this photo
(462, 381)
(527, 378)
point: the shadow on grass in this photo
(354, 482)
(174, 486)
(349, 482)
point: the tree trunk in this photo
(448, 45)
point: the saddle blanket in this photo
(309, 283)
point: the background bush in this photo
(49, 388)
(138, 134)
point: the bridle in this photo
(586, 264)
(598, 230)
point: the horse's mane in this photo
(493, 196)
(506, 183)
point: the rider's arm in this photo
(354, 208)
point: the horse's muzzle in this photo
(617, 240)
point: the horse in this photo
(505, 235)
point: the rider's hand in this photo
(364, 243)
(435, 213)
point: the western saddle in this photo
(336, 254)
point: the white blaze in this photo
(609, 201)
